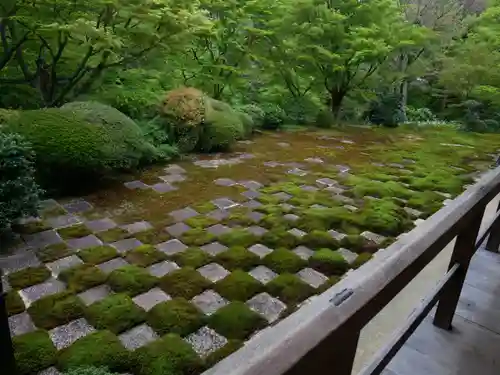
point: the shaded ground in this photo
(209, 251)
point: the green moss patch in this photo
(192, 257)
(168, 355)
(54, 252)
(31, 227)
(205, 208)
(14, 303)
(28, 277)
(98, 254)
(236, 321)
(329, 262)
(53, 211)
(220, 354)
(113, 235)
(280, 238)
(175, 316)
(238, 286)
(427, 202)
(361, 259)
(145, 255)
(238, 237)
(283, 260)
(82, 277)
(362, 187)
(197, 237)
(99, 349)
(383, 216)
(318, 239)
(237, 258)
(274, 221)
(75, 231)
(201, 221)
(152, 236)
(55, 310)
(185, 282)
(132, 280)
(289, 288)
(116, 313)
(324, 218)
(33, 352)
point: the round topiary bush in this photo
(221, 130)
(325, 119)
(18, 190)
(256, 113)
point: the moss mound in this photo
(33, 352)
(82, 277)
(192, 257)
(28, 277)
(55, 310)
(237, 258)
(14, 303)
(175, 316)
(221, 130)
(318, 239)
(201, 221)
(98, 254)
(54, 252)
(324, 218)
(238, 286)
(132, 280)
(280, 238)
(238, 237)
(383, 216)
(289, 288)
(329, 262)
(74, 231)
(145, 255)
(283, 260)
(185, 282)
(197, 237)
(236, 321)
(113, 235)
(152, 236)
(361, 259)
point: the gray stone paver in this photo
(136, 185)
(139, 226)
(19, 261)
(337, 235)
(171, 247)
(251, 185)
(77, 206)
(343, 199)
(209, 301)
(348, 255)
(35, 292)
(272, 164)
(252, 204)
(48, 204)
(218, 229)
(213, 272)
(84, 242)
(263, 274)
(171, 178)
(351, 208)
(63, 221)
(224, 182)
(370, 236)
(163, 187)
(312, 277)
(291, 217)
(62, 264)
(218, 214)
(297, 172)
(162, 268)
(413, 212)
(287, 207)
(65, 335)
(335, 190)
(206, 341)
(138, 337)
(95, 294)
(174, 168)
(256, 230)
(100, 225)
(303, 252)
(309, 188)
(42, 239)
(113, 264)
(314, 160)
(127, 244)
(214, 248)
(224, 203)
(177, 229)
(269, 307)
(183, 214)
(251, 194)
(255, 216)
(325, 182)
(282, 196)
(151, 298)
(297, 232)
(260, 250)
(20, 324)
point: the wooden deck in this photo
(473, 346)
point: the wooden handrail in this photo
(322, 336)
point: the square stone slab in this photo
(206, 341)
(297, 232)
(343, 168)
(224, 203)
(287, 206)
(309, 188)
(213, 272)
(218, 229)
(50, 371)
(100, 225)
(171, 247)
(272, 164)
(260, 250)
(214, 248)
(174, 168)
(139, 226)
(49, 204)
(412, 212)
(251, 185)
(282, 196)
(136, 185)
(35, 292)
(312, 277)
(252, 204)
(348, 255)
(162, 268)
(218, 214)
(42, 239)
(170, 178)
(297, 172)
(209, 301)
(184, 214)
(177, 229)
(291, 217)
(19, 261)
(325, 182)
(62, 264)
(370, 236)
(255, 216)
(84, 242)
(137, 337)
(283, 144)
(263, 274)
(335, 190)
(256, 230)
(224, 182)
(163, 187)
(113, 264)
(343, 199)
(77, 206)
(64, 336)
(20, 324)
(95, 294)
(151, 298)
(303, 252)
(63, 221)
(127, 244)
(251, 194)
(318, 206)
(314, 160)
(337, 235)
(267, 306)
(294, 164)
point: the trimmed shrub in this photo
(54, 252)
(386, 110)
(238, 237)
(33, 352)
(145, 255)
(28, 277)
(329, 262)
(185, 282)
(289, 288)
(237, 258)
(247, 123)
(255, 112)
(98, 254)
(113, 235)
(82, 277)
(55, 310)
(325, 119)
(116, 313)
(238, 286)
(74, 231)
(192, 257)
(236, 321)
(283, 260)
(99, 349)
(132, 280)
(197, 237)
(14, 303)
(220, 132)
(274, 116)
(175, 316)
(18, 191)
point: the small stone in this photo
(309, 188)
(256, 230)
(178, 229)
(252, 204)
(396, 165)
(84, 242)
(63, 221)
(272, 164)
(312, 277)
(64, 336)
(162, 268)
(378, 164)
(297, 232)
(348, 255)
(263, 274)
(412, 212)
(77, 206)
(314, 160)
(125, 245)
(335, 190)
(337, 235)
(136, 185)
(218, 214)
(224, 182)
(267, 306)
(218, 229)
(251, 185)
(163, 187)
(170, 178)
(138, 337)
(351, 208)
(255, 216)
(206, 341)
(171, 247)
(260, 250)
(318, 206)
(20, 324)
(113, 264)
(287, 207)
(343, 199)
(245, 142)
(100, 225)
(325, 182)
(447, 202)
(347, 141)
(151, 298)
(370, 236)
(251, 194)
(62, 264)
(139, 226)
(184, 214)
(282, 196)
(35, 292)
(213, 272)
(94, 294)
(283, 144)
(418, 222)
(174, 168)
(297, 172)
(343, 168)
(224, 203)
(209, 302)
(303, 252)
(291, 217)
(213, 248)
(246, 155)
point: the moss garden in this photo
(169, 270)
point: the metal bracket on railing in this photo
(342, 296)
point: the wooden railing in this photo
(322, 336)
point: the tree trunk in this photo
(403, 85)
(336, 98)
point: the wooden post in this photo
(494, 238)
(7, 353)
(462, 253)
